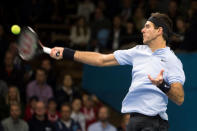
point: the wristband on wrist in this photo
(68, 54)
(164, 86)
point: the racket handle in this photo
(48, 51)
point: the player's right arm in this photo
(91, 58)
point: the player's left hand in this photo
(157, 81)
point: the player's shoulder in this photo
(172, 57)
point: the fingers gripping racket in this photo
(29, 45)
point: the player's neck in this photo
(157, 44)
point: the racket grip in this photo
(47, 50)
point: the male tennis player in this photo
(156, 76)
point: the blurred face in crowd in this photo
(172, 7)
(9, 59)
(76, 105)
(12, 93)
(139, 13)
(67, 81)
(52, 105)
(149, 32)
(117, 21)
(33, 104)
(46, 64)
(81, 21)
(89, 102)
(129, 27)
(98, 13)
(103, 114)
(40, 76)
(40, 109)
(65, 113)
(15, 111)
(180, 24)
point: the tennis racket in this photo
(29, 44)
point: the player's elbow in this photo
(100, 61)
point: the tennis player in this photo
(157, 74)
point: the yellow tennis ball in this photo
(15, 29)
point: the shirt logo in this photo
(163, 60)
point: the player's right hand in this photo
(55, 51)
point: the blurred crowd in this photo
(38, 98)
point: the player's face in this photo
(149, 32)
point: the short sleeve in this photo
(175, 71)
(125, 57)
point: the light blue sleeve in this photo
(125, 57)
(175, 71)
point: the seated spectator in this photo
(80, 34)
(39, 87)
(4, 43)
(52, 113)
(100, 30)
(12, 97)
(39, 120)
(76, 115)
(3, 88)
(124, 122)
(89, 110)
(51, 74)
(139, 19)
(66, 93)
(116, 34)
(102, 124)
(86, 8)
(14, 123)
(9, 73)
(178, 39)
(30, 108)
(66, 123)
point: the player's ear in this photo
(160, 30)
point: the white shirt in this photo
(144, 97)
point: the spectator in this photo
(178, 39)
(14, 123)
(51, 74)
(99, 30)
(139, 19)
(66, 123)
(130, 36)
(173, 12)
(39, 120)
(3, 42)
(102, 124)
(9, 73)
(52, 113)
(116, 34)
(67, 92)
(86, 8)
(124, 122)
(89, 110)
(12, 97)
(39, 87)
(80, 34)
(127, 11)
(151, 7)
(3, 88)
(76, 115)
(30, 108)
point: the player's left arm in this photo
(176, 93)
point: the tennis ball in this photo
(15, 29)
